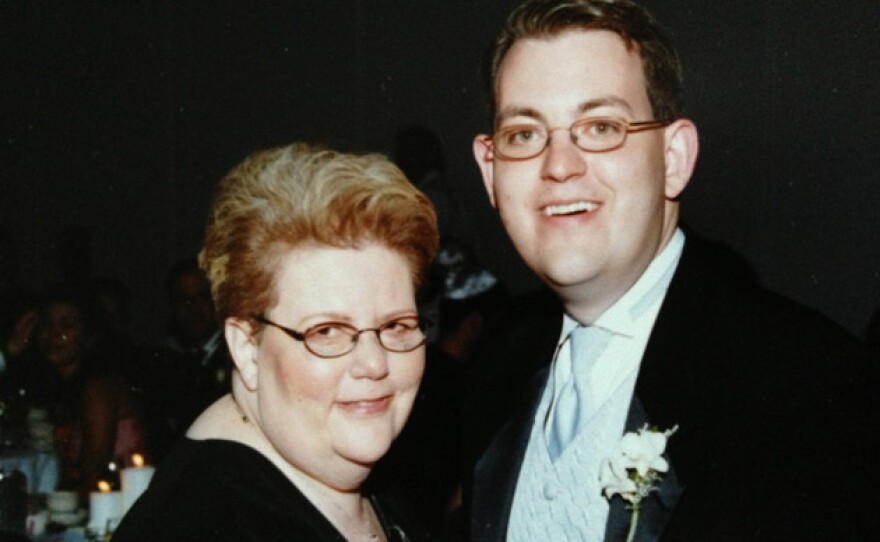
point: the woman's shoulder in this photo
(217, 459)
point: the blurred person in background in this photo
(191, 368)
(74, 376)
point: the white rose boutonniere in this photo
(634, 471)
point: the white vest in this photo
(562, 501)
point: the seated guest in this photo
(314, 258)
(16, 317)
(96, 417)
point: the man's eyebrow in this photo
(523, 111)
(605, 101)
(517, 111)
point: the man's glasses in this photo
(595, 134)
(335, 339)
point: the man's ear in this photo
(243, 348)
(682, 147)
(485, 157)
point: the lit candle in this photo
(135, 480)
(105, 508)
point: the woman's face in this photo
(327, 415)
(61, 335)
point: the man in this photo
(651, 325)
(192, 368)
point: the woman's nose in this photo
(370, 358)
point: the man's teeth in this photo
(569, 208)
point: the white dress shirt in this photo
(561, 500)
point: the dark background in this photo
(119, 118)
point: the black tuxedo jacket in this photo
(774, 405)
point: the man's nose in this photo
(563, 160)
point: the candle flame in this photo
(104, 486)
(137, 460)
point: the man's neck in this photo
(588, 301)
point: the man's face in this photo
(587, 223)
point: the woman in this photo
(314, 258)
(96, 417)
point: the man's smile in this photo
(570, 208)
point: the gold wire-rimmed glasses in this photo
(593, 134)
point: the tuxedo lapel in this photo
(669, 389)
(657, 508)
(665, 374)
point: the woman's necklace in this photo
(372, 522)
(240, 410)
(368, 528)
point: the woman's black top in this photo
(220, 490)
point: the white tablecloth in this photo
(40, 468)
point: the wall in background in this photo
(121, 118)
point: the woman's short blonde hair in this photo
(280, 198)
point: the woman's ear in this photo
(682, 147)
(243, 347)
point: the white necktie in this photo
(574, 405)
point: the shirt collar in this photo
(621, 317)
